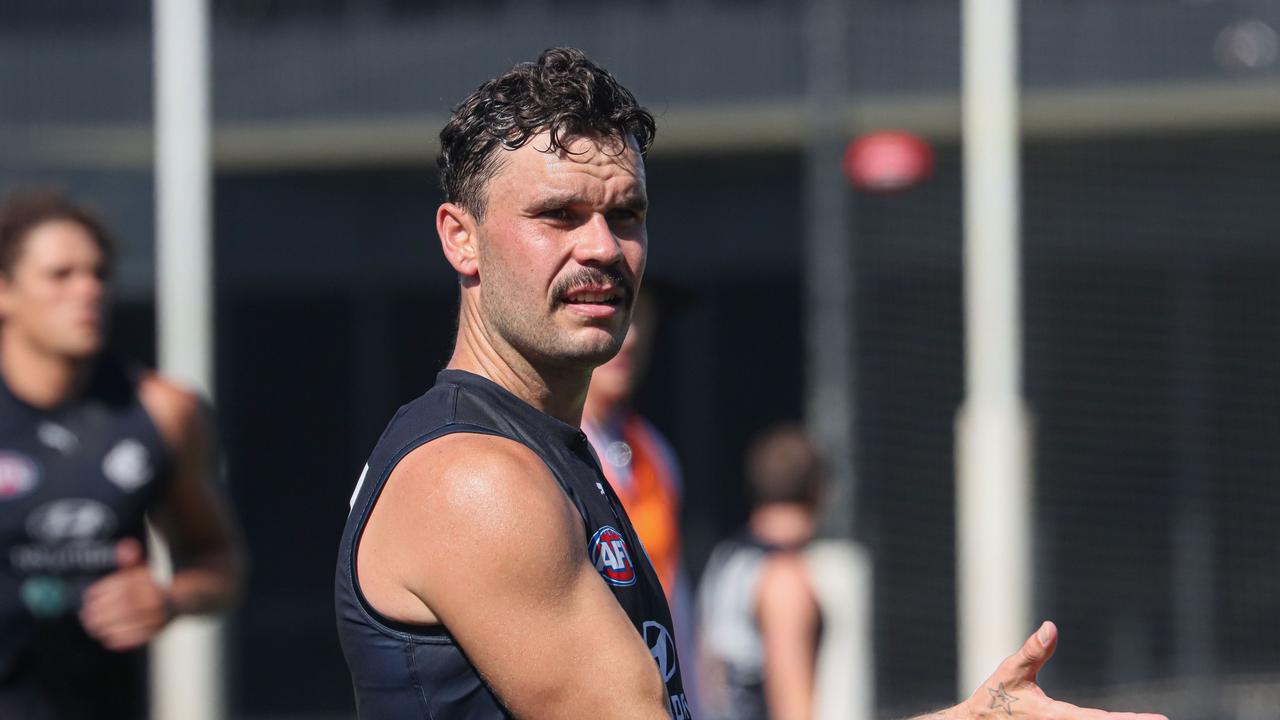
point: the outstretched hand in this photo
(1012, 692)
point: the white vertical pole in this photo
(186, 675)
(992, 436)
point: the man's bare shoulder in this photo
(785, 586)
(479, 499)
(478, 536)
(174, 409)
(475, 469)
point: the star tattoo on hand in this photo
(1002, 699)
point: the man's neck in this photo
(40, 379)
(560, 394)
(601, 411)
(784, 524)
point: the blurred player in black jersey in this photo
(90, 448)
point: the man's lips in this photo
(597, 301)
(606, 295)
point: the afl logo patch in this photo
(18, 475)
(612, 559)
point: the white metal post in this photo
(187, 659)
(992, 435)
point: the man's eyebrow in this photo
(636, 202)
(555, 200)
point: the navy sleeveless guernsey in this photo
(74, 481)
(404, 671)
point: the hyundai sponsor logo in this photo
(71, 519)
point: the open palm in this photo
(1012, 692)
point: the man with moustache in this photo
(90, 448)
(487, 569)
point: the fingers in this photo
(126, 636)
(131, 573)
(1024, 664)
(129, 553)
(1012, 689)
(116, 585)
(121, 630)
(124, 609)
(106, 601)
(1067, 711)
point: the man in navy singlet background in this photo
(487, 569)
(89, 449)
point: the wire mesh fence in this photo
(1151, 248)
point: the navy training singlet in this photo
(401, 671)
(74, 481)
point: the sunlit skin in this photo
(51, 311)
(550, 273)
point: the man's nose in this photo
(91, 287)
(597, 243)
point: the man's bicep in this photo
(511, 581)
(192, 511)
(567, 653)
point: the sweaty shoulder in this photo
(480, 503)
(174, 409)
(483, 468)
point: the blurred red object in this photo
(887, 161)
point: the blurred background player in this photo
(90, 449)
(640, 464)
(759, 614)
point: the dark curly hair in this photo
(563, 93)
(21, 212)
